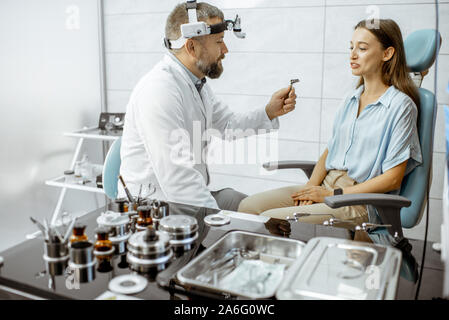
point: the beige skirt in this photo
(278, 203)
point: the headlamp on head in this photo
(197, 28)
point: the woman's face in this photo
(366, 53)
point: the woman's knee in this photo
(249, 205)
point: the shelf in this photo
(95, 133)
(59, 182)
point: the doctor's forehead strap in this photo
(195, 28)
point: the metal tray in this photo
(332, 269)
(203, 272)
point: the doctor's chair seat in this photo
(404, 210)
(111, 170)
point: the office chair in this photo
(406, 209)
(111, 169)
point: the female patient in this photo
(374, 141)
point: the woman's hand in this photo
(311, 193)
(303, 202)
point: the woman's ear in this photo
(388, 54)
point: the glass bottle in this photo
(144, 219)
(77, 171)
(103, 244)
(78, 233)
(122, 206)
(86, 168)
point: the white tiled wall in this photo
(306, 39)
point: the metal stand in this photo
(86, 133)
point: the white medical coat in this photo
(165, 101)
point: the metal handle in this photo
(366, 226)
(298, 215)
(332, 221)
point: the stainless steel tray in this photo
(270, 251)
(331, 268)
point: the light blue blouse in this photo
(384, 135)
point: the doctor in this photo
(172, 103)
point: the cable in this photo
(428, 185)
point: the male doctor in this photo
(173, 99)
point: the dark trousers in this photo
(228, 199)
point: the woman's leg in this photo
(260, 202)
(317, 213)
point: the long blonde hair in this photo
(395, 71)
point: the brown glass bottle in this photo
(122, 205)
(144, 219)
(103, 244)
(78, 233)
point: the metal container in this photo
(331, 268)
(120, 225)
(160, 210)
(82, 261)
(183, 230)
(233, 250)
(149, 250)
(118, 222)
(56, 256)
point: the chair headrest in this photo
(421, 49)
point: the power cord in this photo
(428, 185)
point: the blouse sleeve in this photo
(404, 141)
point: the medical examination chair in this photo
(405, 210)
(111, 170)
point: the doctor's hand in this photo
(282, 102)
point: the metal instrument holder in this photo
(92, 133)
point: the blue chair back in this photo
(111, 169)
(421, 48)
(414, 186)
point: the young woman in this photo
(374, 141)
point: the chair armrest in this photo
(388, 207)
(378, 200)
(306, 166)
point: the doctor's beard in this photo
(212, 70)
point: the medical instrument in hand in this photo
(292, 82)
(195, 28)
(128, 194)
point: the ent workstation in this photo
(173, 251)
(26, 275)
